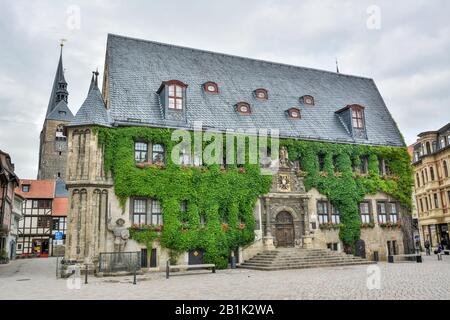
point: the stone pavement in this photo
(35, 279)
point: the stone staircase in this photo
(293, 258)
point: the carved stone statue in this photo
(121, 234)
(284, 157)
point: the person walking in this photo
(427, 247)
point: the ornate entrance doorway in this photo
(284, 229)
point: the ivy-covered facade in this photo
(343, 178)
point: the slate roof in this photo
(60, 112)
(60, 189)
(93, 110)
(59, 78)
(136, 69)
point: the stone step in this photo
(263, 259)
(294, 258)
(305, 266)
(313, 262)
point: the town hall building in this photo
(332, 127)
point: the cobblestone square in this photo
(35, 279)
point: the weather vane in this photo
(62, 42)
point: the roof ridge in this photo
(234, 56)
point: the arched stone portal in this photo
(284, 227)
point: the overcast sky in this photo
(404, 46)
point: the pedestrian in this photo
(427, 247)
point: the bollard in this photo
(86, 275)
(134, 278)
(167, 269)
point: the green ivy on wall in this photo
(219, 195)
(230, 195)
(343, 186)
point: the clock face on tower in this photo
(284, 183)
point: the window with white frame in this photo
(335, 215)
(146, 211)
(140, 211)
(381, 211)
(158, 153)
(322, 211)
(393, 214)
(143, 152)
(140, 151)
(364, 211)
(156, 213)
(175, 97)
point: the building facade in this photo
(431, 162)
(8, 182)
(53, 140)
(44, 213)
(15, 222)
(150, 86)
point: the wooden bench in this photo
(418, 256)
(189, 267)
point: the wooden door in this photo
(285, 236)
(284, 230)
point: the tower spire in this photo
(59, 88)
(94, 80)
(96, 77)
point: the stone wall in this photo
(93, 207)
(52, 152)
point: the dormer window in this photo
(173, 94)
(211, 87)
(261, 94)
(175, 97)
(357, 117)
(243, 108)
(308, 100)
(294, 113)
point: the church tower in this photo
(53, 139)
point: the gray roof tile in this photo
(60, 112)
(136, 69)
(92, 111)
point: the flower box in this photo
(369, 225)
(390, 225)
(329, 226)
(145, 165)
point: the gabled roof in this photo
(61, 112)
(7, 167)
(60, 207)
(39, 189)
(93, 110)
(136, 68)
